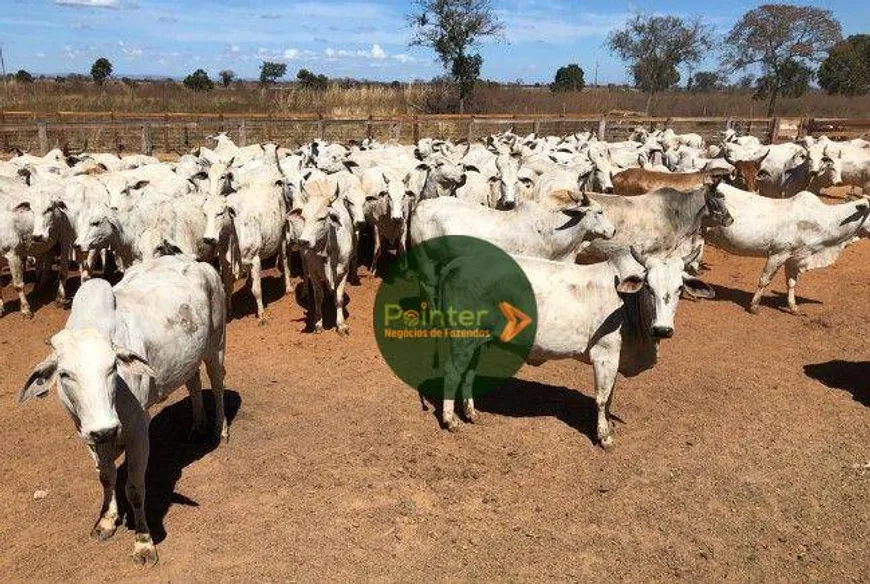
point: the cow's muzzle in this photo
(662, 332)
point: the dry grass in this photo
(365, 100)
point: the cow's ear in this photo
(697, 288)
(630, 284)
(40, 381)
(470, 168)
(133, 363)
(350, 164)
(139, 185)
(201, 175)
(333, 216)
(422, 167)
(22, 206)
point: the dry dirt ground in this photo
(739, 457)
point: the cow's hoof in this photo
(452, 424)
(262, 321)
(318, 328)
(144, 552)
(343, 330)
(793, 311)
(607, 442)
(753, 309)
(26, 314)
(473, 416)
(104, 529)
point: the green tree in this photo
(568, 78)
(271, 71)
(312, 81)
(101, 70)
(704, 81)
(22, 76)
(655, 46)
(846, 70)
(778, 37)
(452, 28)
(198, 81)
(793, 80)
(227, 76)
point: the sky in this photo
(365, 39)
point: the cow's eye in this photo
(383, 194)
(95, 223)
(64, 375)
(371, 198)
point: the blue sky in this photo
(357, 38)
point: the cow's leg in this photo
(605, 368)
(85, 260)
(108, 520)
(16, 270)
(144, 552)
(471, 414)
(285, 265)
(770, 269)
(194, 388)
(63, 274)
(257, 288)
(229, 281)
(792, 271)
(43, 271)
(214, 366)
(317, 306)
(376, 254)
(340, 325)
(456, 367)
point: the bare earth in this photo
(738, 457)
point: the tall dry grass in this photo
(380, 100)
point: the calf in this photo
(126, 349)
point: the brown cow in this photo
(638, 181)
(746, 171)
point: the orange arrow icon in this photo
(517, 320)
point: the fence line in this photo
(179, 132)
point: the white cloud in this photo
(291, 54)
(235, 49)
(90, 3)
(377, 52)
(404, 58)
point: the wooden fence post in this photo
(397, 131)
(42, 135)
(187, 137)
(166, 132)
(243, 133)
(415, 130)
(774, 131)
(536, 128)
(470, 136)
(369, 133)
(602, 128)
(116, 146)
(321, 127)
(147, 146)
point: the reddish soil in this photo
(738, 457)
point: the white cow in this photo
(326, 244)
(126, 349)
(800, 233)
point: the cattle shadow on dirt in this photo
(172, 450)
(851, 376)
(303, 297)
(243, 301)
(771, 299)
(519, 398)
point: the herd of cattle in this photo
(609, 235)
